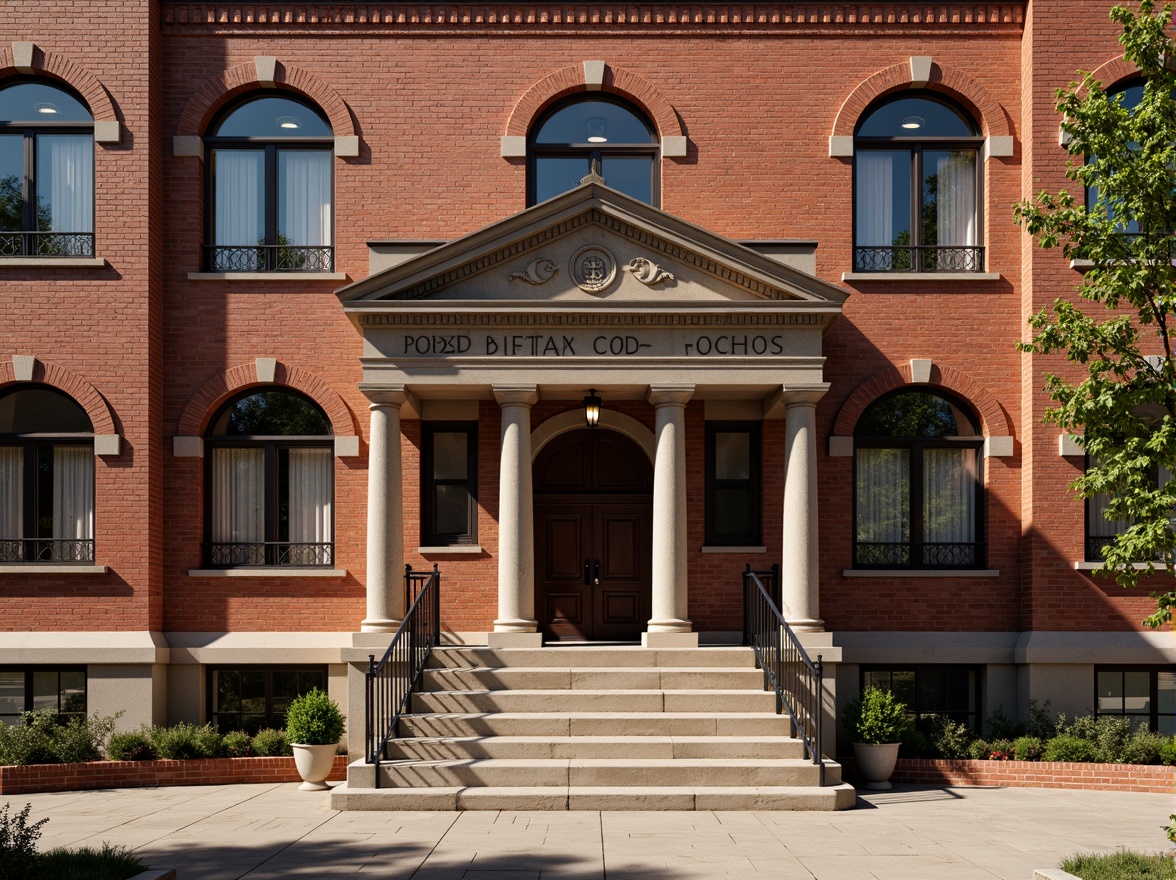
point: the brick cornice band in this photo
(85, 394)
(241, 78)
(68, 71)
(224, 385)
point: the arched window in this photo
(46, 172)
(1130, 95)
(270, 483)
(46, 477)
(917, 499)
(601, 135)
(270, 188)
(916, 188)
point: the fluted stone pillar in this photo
(516, 624)
(670, 624)
(385, 519)
(799, 570)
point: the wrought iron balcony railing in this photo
(228, 555)
(269, 258)
(899, 555)
(46, 550)
(919, 258)
(46, 244)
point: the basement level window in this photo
(57, 689)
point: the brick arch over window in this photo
(208, 399)
(83, 393)
(69, 72)
(994, 421)
(976, 98)
(242, 78)
(570, 80)
(1113, 72)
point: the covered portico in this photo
(592, 290)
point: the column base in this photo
(807, 624)
(377, 625)
(514, 639)
(669, 640)
(515, 625)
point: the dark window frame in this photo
(321, 258)
(916, 446)
(917, 145)
(429, 537)
(30, 241)
(589, 151)
(30, 670)
(922, 669)
(1153, 714)
(754, 536)
(211, 692)
(272, 476)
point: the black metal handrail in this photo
(391, 682)
(918, 258)
(269, 258)
(225, 554)
(46, 244)
(46, 550)
(788, 670)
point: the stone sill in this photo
(928, 277)
(52, 263)
(456, 549)
(50, 568)
(267, 276)
(750, 550)
(268, 571)
(1138, 566)
(920, 572)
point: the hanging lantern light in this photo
(592, 408)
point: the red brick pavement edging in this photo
(1156, 778)
(148, 774)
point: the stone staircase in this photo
(594, 728)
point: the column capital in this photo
(385, 395)
(516, 395)
(670, 395)
(803, 395)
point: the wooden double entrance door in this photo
(593, 536)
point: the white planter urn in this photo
(314, 765)
(876, 763)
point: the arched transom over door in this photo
(593, 512)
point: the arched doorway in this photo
(593, 514)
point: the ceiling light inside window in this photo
(46, 107)
(288, 122)
(912, 122)
(597, 126)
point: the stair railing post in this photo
(819, 669)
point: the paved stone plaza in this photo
(276, 831)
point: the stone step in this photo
(553, 724)
(716, 700)
(760, 798)
(549, 772)
(568, 747)
(593, 678)
(578, 656)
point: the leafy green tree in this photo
(1124, 404)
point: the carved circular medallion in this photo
(593, 268)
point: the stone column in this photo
(799, 570)
(385, 515)
(516, 624)
(669, 626)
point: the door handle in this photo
(587, 572)
(596, 572)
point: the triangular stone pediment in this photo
(592, 244)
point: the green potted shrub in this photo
(875, 723)
(314, 726)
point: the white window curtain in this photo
(311, 500)
(883, 496)
(73, 500)
(949, 496)
(11, 498)
(238, 182)
(238, 499)
(955, 206)
(65, 181)
(875, 199)
(304, 198)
